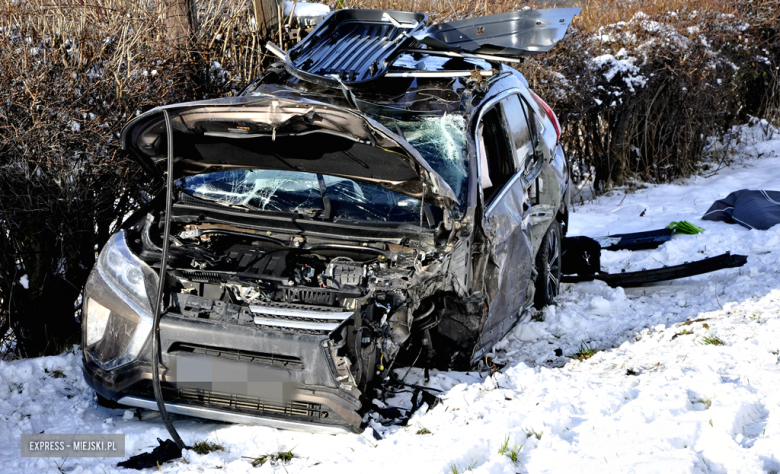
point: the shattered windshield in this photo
(302, 193)
(442, 143)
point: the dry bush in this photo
(639, 98)
(71, 75)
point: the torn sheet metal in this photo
(507, 34)
(509, 265)
(356, 46)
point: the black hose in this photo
(160, 291)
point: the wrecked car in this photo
(386, 195)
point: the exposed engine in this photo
(354, 293)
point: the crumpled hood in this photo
(266, 132)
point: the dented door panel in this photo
(509, 265)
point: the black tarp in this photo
(752, 209)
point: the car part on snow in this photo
(685, 227)
(166, 451)
(631, 279)
(636, 241)
(752, 209)
(580, 256)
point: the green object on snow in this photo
(685, 227)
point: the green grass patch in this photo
(707, 402)
(532, 432)
(456, 469)
(202, 446)
(713, 340)
(512, 453)
(585, 352)
(423, 431)
(285, 456)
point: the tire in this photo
(548, 267)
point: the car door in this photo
(546, 188)
(503, 150)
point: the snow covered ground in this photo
(656, 397)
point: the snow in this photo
(303, 9)
(656, 397)
(614, 66)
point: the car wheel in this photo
(548, 267)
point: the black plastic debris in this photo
(166, 451)
(642, 277)
(752, 209)
(581, 256)
(420, 397)
(636, 241)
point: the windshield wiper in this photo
(325, 198)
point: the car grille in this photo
(285, 316)
(231, 402)
(309, 296)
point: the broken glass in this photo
(442, 143)
(298, 192)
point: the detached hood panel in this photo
(507, 34)
(281, 134)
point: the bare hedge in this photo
(71, 75)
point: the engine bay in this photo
(357, 294)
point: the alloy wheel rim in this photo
(553, 266)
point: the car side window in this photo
(496, 154)
(517, 119)
(537, 109)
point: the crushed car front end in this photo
(311, 251)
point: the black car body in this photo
(328, 228)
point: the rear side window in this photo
(539, 114)
(517, 121)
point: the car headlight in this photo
(96, 320)
(118, 305)
(134, 278)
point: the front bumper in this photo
(222, 366)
